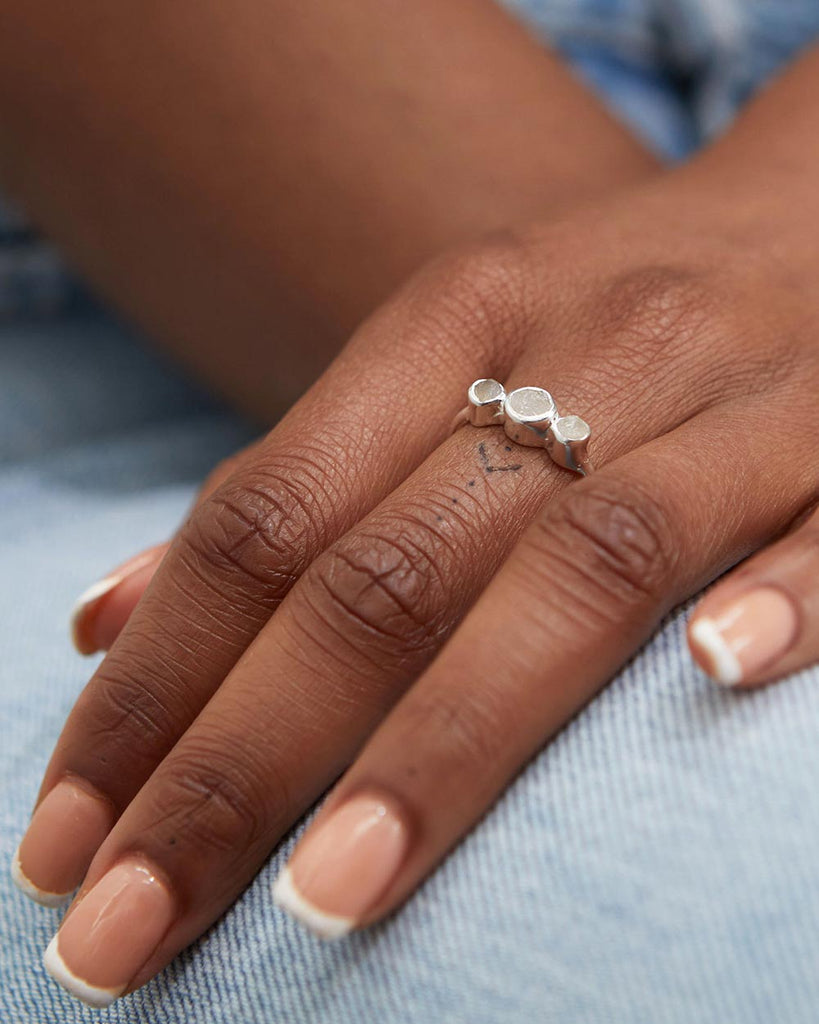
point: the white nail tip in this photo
(86, 598)
(725, 666)
(288, 897)
(25, 885)
(62, 973)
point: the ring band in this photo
(530, 417)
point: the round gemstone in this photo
(530, 405)
(484, 392)
(572, 428)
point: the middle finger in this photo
(325, 464)
(360, 625)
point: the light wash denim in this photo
(677, 71)
(657, 864)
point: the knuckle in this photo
(471, 727)
(123, 705)
(384, 591)
(212, 801)
(481, 297)
(658, 315)
(258, 529)
(616, 540)
(655, 308)
(124, 721)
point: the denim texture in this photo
(676, 71)
(656, 864)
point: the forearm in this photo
(759, 182)
(259, 176)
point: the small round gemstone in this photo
(484, 392)
(531, 404)
(572, 428)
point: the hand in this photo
(666, 320)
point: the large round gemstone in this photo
(530, 405)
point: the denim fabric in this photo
(677, 71)
(656, 864)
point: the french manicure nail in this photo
(749, 634)
(89, 630)
(110, 934)
(63, 835)
(343, 866)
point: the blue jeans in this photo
(656, 864)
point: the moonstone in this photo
(485, 391)
(572, 428)
(533, 404)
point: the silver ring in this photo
(530, 417)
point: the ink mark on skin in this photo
(489, 468)
(438, 519)
(471, 483)
(454, 501)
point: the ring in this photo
(530, 417)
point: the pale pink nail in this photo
(111, 933)
(65, 832)
(344, 865)
(102, 610)
(749, 634)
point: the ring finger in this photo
(359, 626)
(585, 586)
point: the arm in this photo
(249, 180)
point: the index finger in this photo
(365, 425)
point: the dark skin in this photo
(278, 169)
(371, 597)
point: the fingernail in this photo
(95, 621)
(110, 934)
(748, 635)
(343, 866)
(65, 832)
